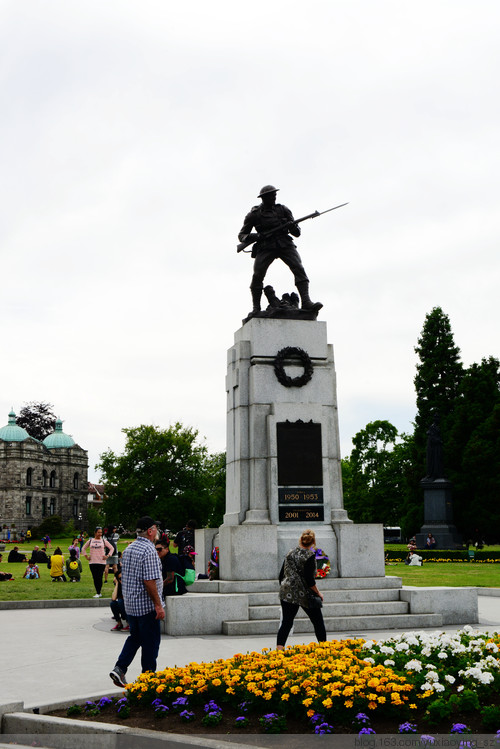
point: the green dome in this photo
(12, 432)
(58, 438)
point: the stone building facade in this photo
(40, 479)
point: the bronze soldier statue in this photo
(274, 223)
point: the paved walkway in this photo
(50, 655)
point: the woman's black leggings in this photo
(289, 611)
(97, 571)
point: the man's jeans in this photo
(145, 633)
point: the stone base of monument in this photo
(251, 607)
(438, 515)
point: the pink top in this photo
(97, 550)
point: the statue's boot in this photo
(303, 289)
(256, 295)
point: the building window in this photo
(75, 508)
(45, 477)
(52, 479)
(44, 507)
(28, 505)
(52, 509)
(76, 480)
(29, 476)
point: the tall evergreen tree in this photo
(439, 374)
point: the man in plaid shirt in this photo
(142, 586)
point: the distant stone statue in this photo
(435, 468)
(274, 223)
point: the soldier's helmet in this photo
(266, 189)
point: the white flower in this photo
(486, 677)
(438, 688)
(467, 628)
(442, 655)
(428, 666)
(427, 687)
(459, 689)
(413, 665)
(386, 650)
(402, 646)
(388, 662)
(432, 676)
(369, 660)
(450, 679)
(491, 646)
(426, 651)
(412, 640)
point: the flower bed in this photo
(408, 684)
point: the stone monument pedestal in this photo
(438, 515)
(283, 455)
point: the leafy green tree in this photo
(164, 473)
(373, 476)
(37, 418)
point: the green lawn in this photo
(454, 574)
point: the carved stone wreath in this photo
(279, 369)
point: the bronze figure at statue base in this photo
(286, 308)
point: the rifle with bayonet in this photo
(254, 237)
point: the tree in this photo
(373, 476)
(163, 473)
(470, 448)
(37, 418)
(438, 377)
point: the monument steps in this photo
(334, 596)
(336, 624)
(344, 584)
(336, 610)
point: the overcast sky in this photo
(135, 136)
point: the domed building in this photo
(40, 479)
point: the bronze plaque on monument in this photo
(299, 454)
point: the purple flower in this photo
(186, 715)
(323, 728)
(459, 728)
(407, 728)
(242, 719)
(317, 718)
(104, 701)
(361, 718)
(244, 705)
(180, 702)
(366, 730)
(212, 707)
(427, 739)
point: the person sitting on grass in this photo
(56, 566)
(415, 560)
(74, 566)
(32, 572)
(16, 556)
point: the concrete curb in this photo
(62, 603)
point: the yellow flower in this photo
(327, 703)
(307, 702)
(285, 697)
(348, 703)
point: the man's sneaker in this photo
(117, 626)
(118, 677)
(97, 595)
